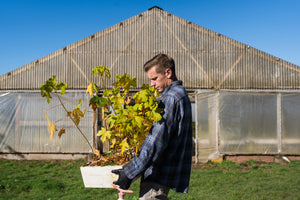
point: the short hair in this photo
(162, 61)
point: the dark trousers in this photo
(150, 190)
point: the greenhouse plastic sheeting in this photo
(24, 127)
(227, 122)
(241, 122)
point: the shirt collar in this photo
(174, 83)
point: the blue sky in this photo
(31, 29)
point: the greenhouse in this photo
(246, 101)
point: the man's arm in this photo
(149, 148)
(155, 142)
(138, 164)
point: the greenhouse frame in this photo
(246, 101)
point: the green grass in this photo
(62, 180)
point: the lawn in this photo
(51, 180)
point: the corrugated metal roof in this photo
(204, 59)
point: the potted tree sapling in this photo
(127, 117)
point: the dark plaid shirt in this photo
(166, 154)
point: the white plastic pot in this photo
(99, 177)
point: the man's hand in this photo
(123, 182)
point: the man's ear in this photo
(168, 72)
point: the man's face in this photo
(158, 80)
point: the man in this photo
(164, 159)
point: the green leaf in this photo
(101, 71)
(52, 85)
(95, 87)
(125, 81)
(99, 101)
(60, 86)
(63, 89)
(111, 120)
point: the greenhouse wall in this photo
(246, 122)
(24, 126)
(227, 123)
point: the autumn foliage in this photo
(127, 116)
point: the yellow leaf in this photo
(156, 93)
(47, 117)
(79, 104)
(51, 129)
(118, 101)
(156, 116)
(51, 126)
(105, 135)
(217, 160)
(124, 145)
(113, 142)
(77, 114)
(90, 89)
(62, 131)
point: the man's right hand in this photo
(123, 181)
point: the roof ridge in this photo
(156, 8)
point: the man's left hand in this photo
(123, 181)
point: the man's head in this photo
(161, 71)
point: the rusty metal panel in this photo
(204, 59)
